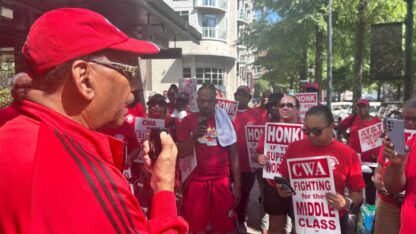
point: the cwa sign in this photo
(312, 178)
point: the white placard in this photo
(370, 136)
(276, 140)
(312, 178)
(253, 133)
(306, 100)
(189, 86)
(142, 129)
(229, 106)
(187, 165)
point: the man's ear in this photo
(81, 72)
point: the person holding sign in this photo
(276, 206)
(344, 162)
(356, 123)
(208, 197)
(400, 175)
(245, 116)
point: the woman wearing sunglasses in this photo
(320, 141)
(276, 206)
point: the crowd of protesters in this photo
(71, 161)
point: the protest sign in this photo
(142, 128)
(306, 100)
(189, 86)
(253, 133)
(187, 165)
(312, 178)
(229, 106)
(370, 136)
(408, 134)
(277, 138)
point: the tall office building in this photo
(218, 58)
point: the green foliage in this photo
(5, 97)
(279, 45)
(260, 86)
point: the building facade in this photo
(218, 58)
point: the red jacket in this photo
(59, 177)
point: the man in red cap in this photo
(355, 122)
(20, 85)
(245, 116)
(58, 174)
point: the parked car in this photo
(340, 110)
(391, 109)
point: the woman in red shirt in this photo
(320, 141)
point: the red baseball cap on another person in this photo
(312, 85)
(362, 102)
(67, 33)
(245, 89)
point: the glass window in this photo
(184, 15)
(186, 72)
(209, 75)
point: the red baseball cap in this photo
(312, 85)
(362, 102)
(67, 33)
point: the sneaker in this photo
(241, 228)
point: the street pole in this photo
(408, 71)
(329, 57)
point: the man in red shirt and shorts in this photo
(208, 196)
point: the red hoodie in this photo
(59, 177)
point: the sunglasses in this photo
(289, 105)
(126, 70)
(315, 131)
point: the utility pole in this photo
(329, 57)
(408, 71)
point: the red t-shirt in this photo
(124, 133)
(345, 163)
(212, 158)
(245, 117)
(133, 112)
(61, 177)
(354, 140)
(408, 212)
(262, 112)
(8, 113)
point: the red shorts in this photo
(209, 201)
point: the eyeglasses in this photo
(289, 105)
(21, 86)
(126, 70)
(315, 131)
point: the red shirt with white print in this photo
(345, 163)
(212, 158)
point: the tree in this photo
(301, 26)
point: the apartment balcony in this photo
(242, 16)
(214, 33)
(212, 4)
